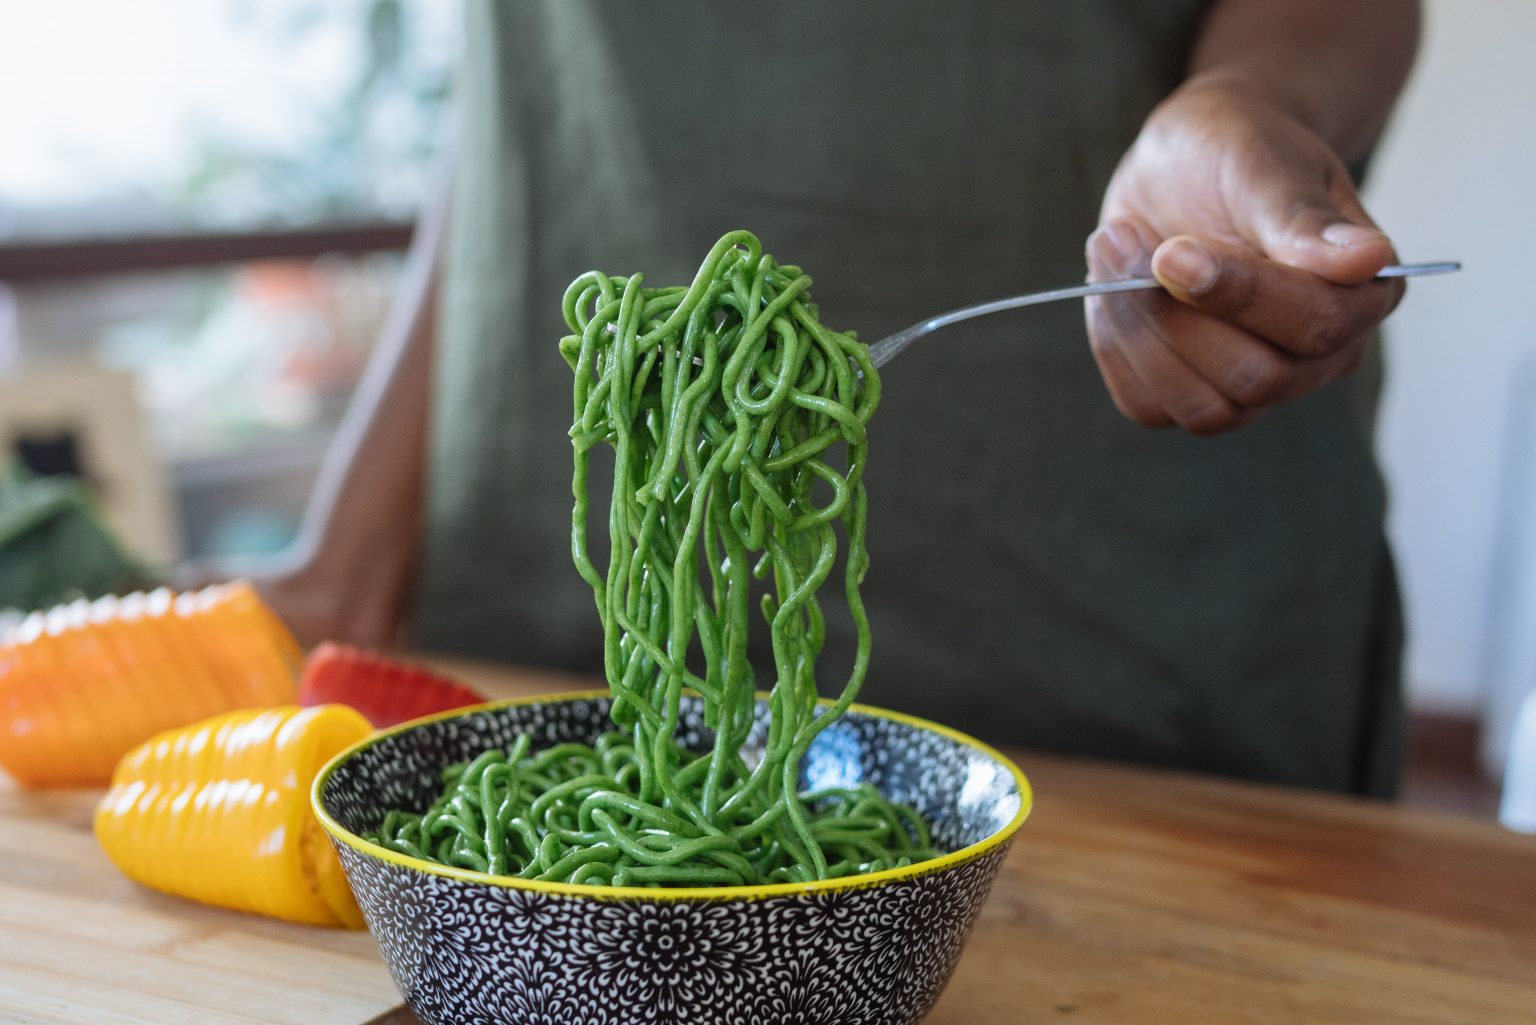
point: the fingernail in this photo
(1188, 265)
(1347, 236)
(1122, 248)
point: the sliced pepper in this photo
(219, 812)
(81, 684)
(385, 691)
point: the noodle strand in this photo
(722, 402)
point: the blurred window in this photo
(254, 134)
(178, 114)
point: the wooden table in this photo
(1131, 896)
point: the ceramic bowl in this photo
(464, 947)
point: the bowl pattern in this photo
(466, 948)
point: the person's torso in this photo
(1042, 571)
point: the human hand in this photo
(314, 600)
(1253, 227)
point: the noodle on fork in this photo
(738, 428)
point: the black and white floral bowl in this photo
(466, 948)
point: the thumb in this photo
(1320, 227)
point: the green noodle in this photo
(722, 402)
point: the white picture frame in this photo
(97, 407)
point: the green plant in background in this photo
(54, 544)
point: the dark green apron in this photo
(1043, 571)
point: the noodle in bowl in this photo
(464, 946)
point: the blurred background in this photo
(200, 234)
(218, 211)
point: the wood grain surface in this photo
(1131, 896)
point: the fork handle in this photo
(883, 351)
(1391, 270)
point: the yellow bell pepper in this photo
(219, 812)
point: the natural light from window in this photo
(132, 116)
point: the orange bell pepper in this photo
(83, 683)
(219, 812)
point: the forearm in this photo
(1336, 67)
(348, 575)
(365, 508)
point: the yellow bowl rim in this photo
(694, 893)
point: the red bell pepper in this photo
(385, 691)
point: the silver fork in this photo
(888, 348)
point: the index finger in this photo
(1297, 311)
